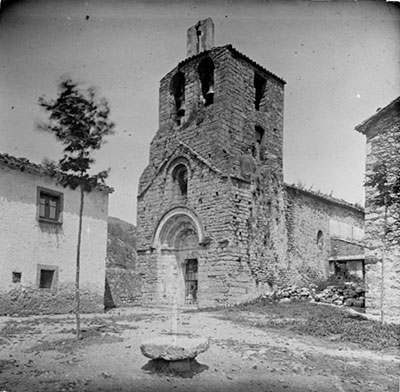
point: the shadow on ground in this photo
(185, 369)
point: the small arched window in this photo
(259, 136)
(206, 75)
(177, 89)
(320, 239)
(180, 176)
(259, 85)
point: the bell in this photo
(210, 91)
(180, 105)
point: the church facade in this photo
(216, 224)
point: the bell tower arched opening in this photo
(177, 89)
(206, 75)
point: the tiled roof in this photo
(26, 165)
(238, 54)
(363, 127)
(326, 197)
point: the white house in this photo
(38, 241)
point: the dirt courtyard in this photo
(41, 354)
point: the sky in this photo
(341, 62)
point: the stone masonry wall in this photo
(306, 215)
(123, 287)
(262, 241)
(27, 243)
(383, 254)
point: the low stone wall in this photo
(348, 294)
(25, 301)
(123, 288)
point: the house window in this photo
(206, 75)
(259, 85)
(177, 89)
(16, 277)
(50, 205)
(47, 276)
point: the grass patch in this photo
(67, 345)
(305, 318)
(12, 329)
(130, 317)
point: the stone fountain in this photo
(173, 352)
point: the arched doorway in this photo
(176, 240)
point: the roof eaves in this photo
(254, 63)
(363, 127)
(237, 53)
(24, 164)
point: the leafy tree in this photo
(79, 120)
(385, 174)
(384, 178)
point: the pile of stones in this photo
(352, 294)
(348, 294)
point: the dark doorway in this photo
(191, 281)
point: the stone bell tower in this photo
(210, 204)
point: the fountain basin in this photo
(174, 348)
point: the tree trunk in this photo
(383, 265)
(78, 270)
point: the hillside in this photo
(121, 244)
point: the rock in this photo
(358, 303)
(250, 353)
(353, 294)
(285, 300)
(356, 315)
(359, 290)
(174, 348)
(349, 302)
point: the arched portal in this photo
(176, 240)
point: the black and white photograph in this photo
(199, 196)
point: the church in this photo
(216, 223)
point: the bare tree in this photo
(79, 120)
